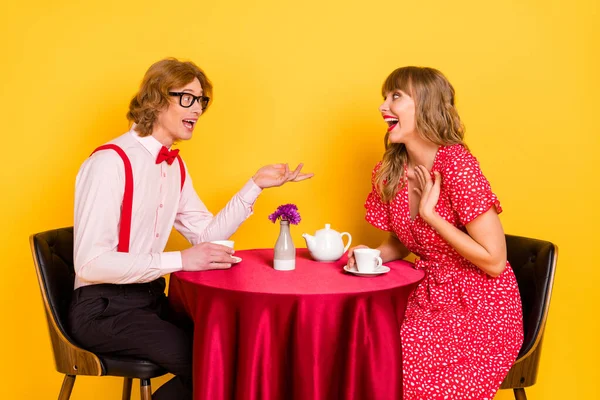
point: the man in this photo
(128, 196)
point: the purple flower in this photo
(287, 212)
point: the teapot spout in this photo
(310, 241)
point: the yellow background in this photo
(300, 82)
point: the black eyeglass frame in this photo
(202, 100)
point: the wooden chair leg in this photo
(145, 389)
(67, 387)
(520, 394)
(127, 388)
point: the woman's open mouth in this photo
(391, 121)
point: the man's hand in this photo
(278, 174)
(205, 256)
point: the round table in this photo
(316, 332)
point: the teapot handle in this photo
(349, 240)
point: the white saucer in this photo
(237, 259)
(379, 271)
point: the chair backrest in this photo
(534, 263)
(53, 258)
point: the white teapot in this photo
(327, 244)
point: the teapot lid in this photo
(327, 230)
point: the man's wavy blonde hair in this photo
(153, 95)
(436, 120)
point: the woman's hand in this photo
(391, 249)
(429, 191)
(351, 260)
(278, 174)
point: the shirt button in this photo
(164, 174)
(161, 206)
(157, 235)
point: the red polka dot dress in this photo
(463, 329)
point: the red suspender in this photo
(125, 226)
(181, 170)
(126, 208)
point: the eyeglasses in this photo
(186, 100)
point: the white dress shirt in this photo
(159, 203)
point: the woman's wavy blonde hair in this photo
(436, 120)
(153, 95)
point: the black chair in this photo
(534, 264)
(53, 258)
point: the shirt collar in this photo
(149, 142)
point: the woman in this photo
(463, 325)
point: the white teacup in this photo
(367, 260)
(228, 243)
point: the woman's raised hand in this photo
(429, 191)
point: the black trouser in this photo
(134, 320)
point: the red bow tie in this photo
(165, 155)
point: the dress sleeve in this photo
(470, 192)
(378, 212)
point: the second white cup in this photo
(367, 260)
(228, 243)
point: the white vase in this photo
(284, 252)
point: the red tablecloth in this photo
(315, 333)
